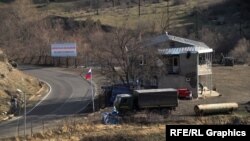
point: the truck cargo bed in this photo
(155, 98)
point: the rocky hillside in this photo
(11, 80)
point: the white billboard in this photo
(63, 50)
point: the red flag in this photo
(88, 75)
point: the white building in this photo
(188, 63)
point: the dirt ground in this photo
(233, 83)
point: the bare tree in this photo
(241, 52)
(165, 18)
(17, 20)
(121, 55)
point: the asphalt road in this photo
(69, 95)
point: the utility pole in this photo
(139, 7)
(241, 16)
(168, 18)
(92, 91)
(24, 116)
(90, 2)
(97, 7)
(197, 20)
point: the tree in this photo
(122, 56)
(165, 18)
(16, 26)
(25, 34)
(241, 52)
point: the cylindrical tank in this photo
(215, 108)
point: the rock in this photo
(19, 91)
(11, 116)
(5, 118)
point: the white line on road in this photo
(13, 119)
(50, 89)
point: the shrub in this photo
(241, 51)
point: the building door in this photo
(175, 64)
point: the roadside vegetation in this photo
(12, 81)
(91, 129)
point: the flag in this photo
(88, 75)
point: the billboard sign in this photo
(63, 50)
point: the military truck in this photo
(163, 100)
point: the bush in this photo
(241, 51)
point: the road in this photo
(69, 95)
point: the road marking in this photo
(17, 118)
(50, 89)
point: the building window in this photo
(173, 65)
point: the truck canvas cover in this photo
(157, 98)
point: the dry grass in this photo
(103, 132)
(116, 16)
(11, 80)
(233, 82)
(87, 129)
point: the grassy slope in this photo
(181, 15)
(150, 13)
(11, 80)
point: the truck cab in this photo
(110, 92)
(124, 102)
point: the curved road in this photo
(69, 95)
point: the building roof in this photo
(166, 37)
(193, 49)
(155, 41)
(185, 41)
(189, 45)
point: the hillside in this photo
(179, 12)
(221, 24)
(12, 79)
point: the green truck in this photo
(163, 100)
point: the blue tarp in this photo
(110, 117)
